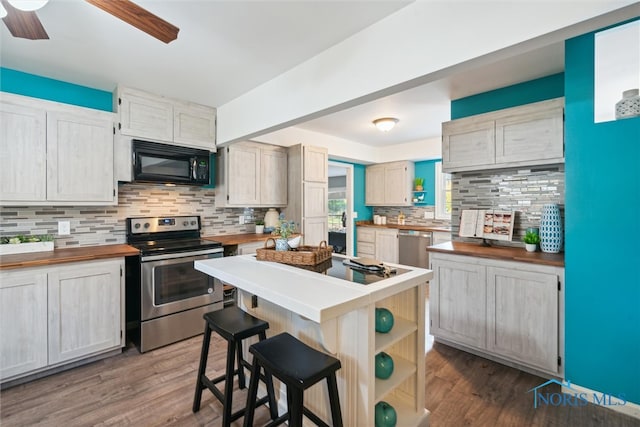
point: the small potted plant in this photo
(259, 226)
(418, 184)
(531, 241)
(283, 230)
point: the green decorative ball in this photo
(384, 320)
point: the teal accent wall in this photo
(427, 170)
(510, 96)
(54, 90)
(602, 295)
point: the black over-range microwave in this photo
(169, 164)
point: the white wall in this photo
(418, 44)
(343, 149)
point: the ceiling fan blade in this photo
(25, 25)
(140, 18)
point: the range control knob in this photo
(137, 225)
(185, 223)
(193, 223)
(147, 225)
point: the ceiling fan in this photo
(22, 21)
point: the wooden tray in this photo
(303, 255)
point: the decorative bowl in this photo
(294, 243)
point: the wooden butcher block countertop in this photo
(238, 239)
(499, 253)
(405, 227)
(65, 255)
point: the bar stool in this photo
(299, 367)
(233, 325)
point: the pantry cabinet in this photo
(55, 154)
(250, 174)
(59, 314)
(527, 135)
(507, 311)
(389, 184)
(148, 116)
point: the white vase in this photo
(629, 105)
(271, 218)
(551, 229)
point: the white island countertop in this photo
(316, 296)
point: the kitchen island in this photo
(337, 315)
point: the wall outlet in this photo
(354, 215)
(429, 214)
(64, 228)
(241, 219)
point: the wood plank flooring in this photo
(156, 389)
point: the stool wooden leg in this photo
(252, 394)
(241, 379)
(334, 400)
(296, 403)
(228, 384)
(204, 354)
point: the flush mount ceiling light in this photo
(385, 124)
(28, 5)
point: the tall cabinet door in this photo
(84, 309)
(457, 302)
(316, 164)
(23, 316)
(522, 316)
(23, 153)
(80, 157)
(315, 230)
(244, 174)
(273, 177)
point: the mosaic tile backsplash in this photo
(414, 215)
(106, 224)
(522, 190)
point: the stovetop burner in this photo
(175, 234)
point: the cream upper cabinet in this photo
(76, 146)
(23, 153)
(374, 185)
(55, 154)
(507, 310)
(23, 314)
(389, 184)
(527, 135)
(148, 116)
(251, 174)
(316, 161)
(85, 309)
(144, 115)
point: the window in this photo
(443, 193)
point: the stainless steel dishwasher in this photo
(413, 248)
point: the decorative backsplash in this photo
(99, 225)
(414, 215)
(522, 190)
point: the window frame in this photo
(441, 192)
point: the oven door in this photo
(173, 285)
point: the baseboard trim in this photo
(629, 408)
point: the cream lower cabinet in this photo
(378, 243)
(59, 314)
(507, 311)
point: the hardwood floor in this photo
(156, 389)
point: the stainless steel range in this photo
(166, 303)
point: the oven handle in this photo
(180, 255)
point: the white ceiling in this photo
(226, 48)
